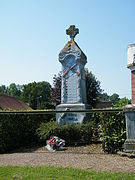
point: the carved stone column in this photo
(73, 91)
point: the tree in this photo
(14, 90)
(114, 98)
(56, 90)
(122, 102)
(38, 95)
(104, 97)
(93, 89)
(3, 89)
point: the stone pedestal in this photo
(129, 145)
(73, 117)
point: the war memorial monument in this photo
(73, 88)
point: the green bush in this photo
(109, 126)
(96, 124)
(47, 129)
(71, 133)
(113, 131)
(19, 130)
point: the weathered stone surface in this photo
(129, 144)
(73, 61)
(73, 90)
(73, 117)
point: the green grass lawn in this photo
(43, 172)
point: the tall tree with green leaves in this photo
(56, 90)
(114, 98)
(122, 102)
(14, 90)
(104, 97)
(93, 88)
(3, 89)
(38, 95)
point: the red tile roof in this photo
(9, 102)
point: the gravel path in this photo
(89, 157)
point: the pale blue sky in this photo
(32, 33)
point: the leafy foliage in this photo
(108, 126)
(38, 95)
(3, 89)
(93, 88)
(114, 98)
(104, 97)
(122, 102)
(18, 130)
(14, 90)
(113, 131)
(56, 90)
(71, 133)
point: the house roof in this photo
(103, 104)
(13, 103)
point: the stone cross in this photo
(72, 31)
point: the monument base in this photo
(73, 117)
(129, 145)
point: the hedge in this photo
(110, 127)
(113, 131)
(19, 130)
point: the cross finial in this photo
(72, 31)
